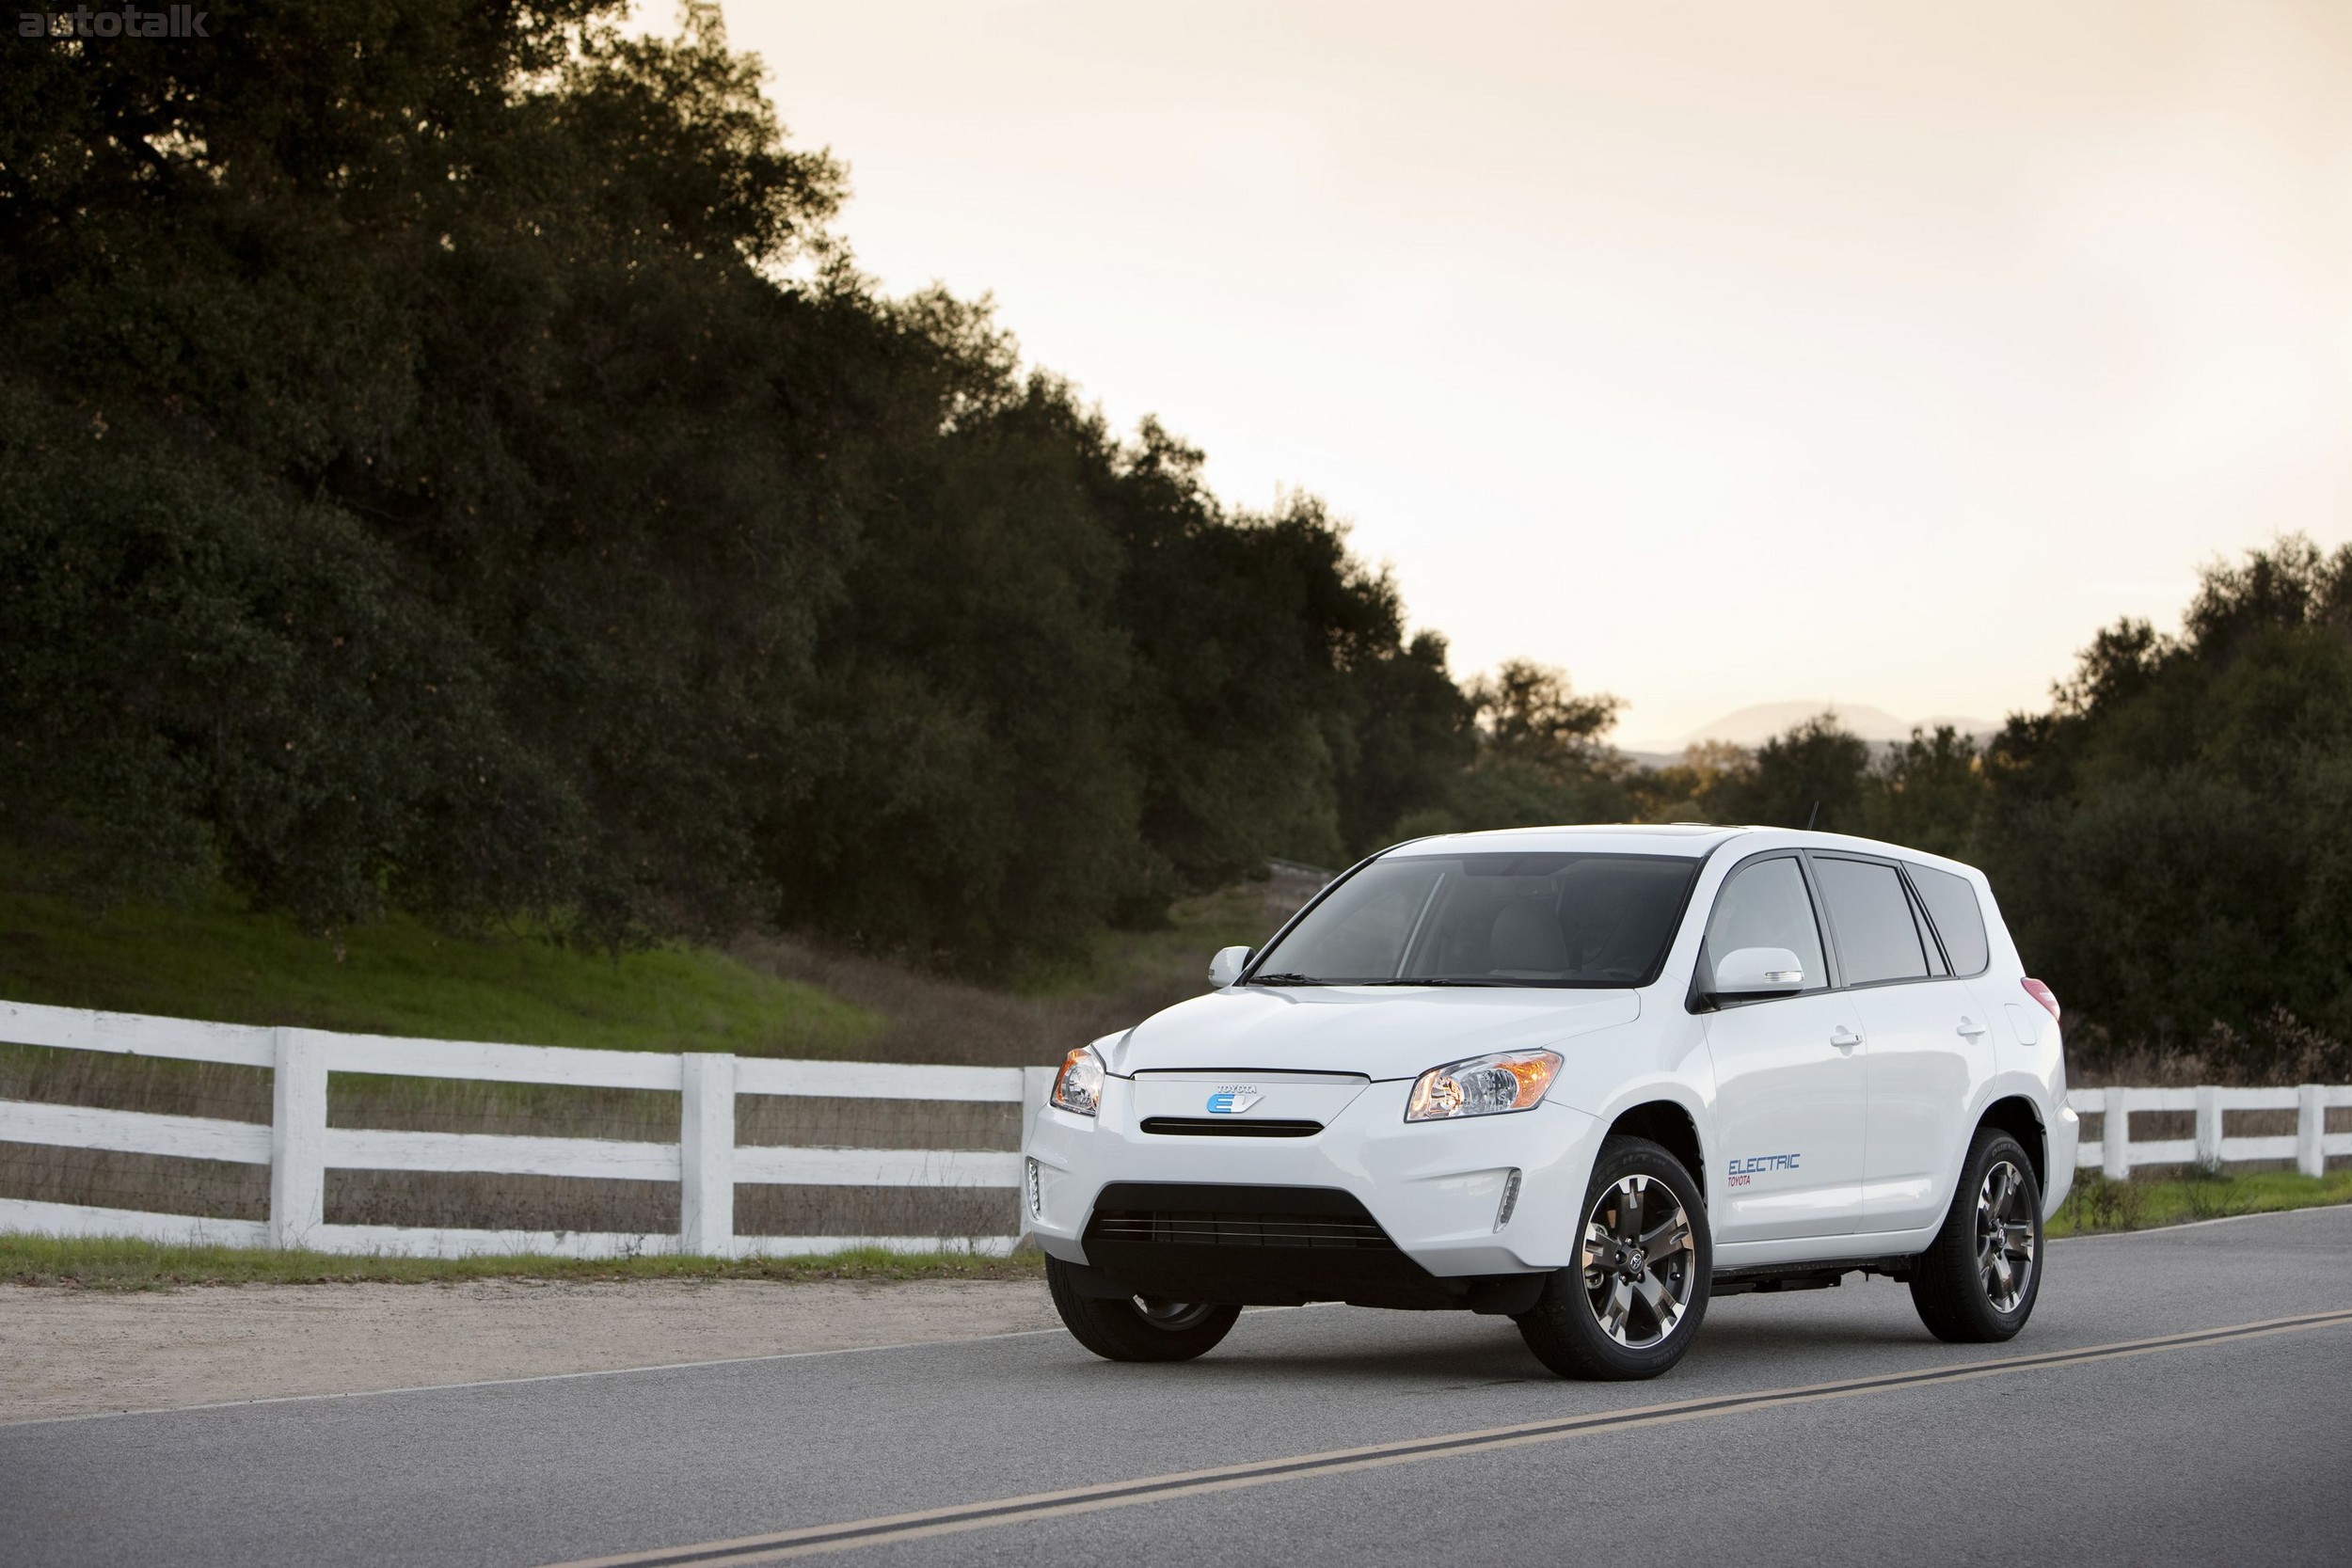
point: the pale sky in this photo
(1723, 353)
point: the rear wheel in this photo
(1633, 1304)
(1136, 1328)
(1976, 1283)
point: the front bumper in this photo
(1432, 1188)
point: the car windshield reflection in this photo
(1510, 918)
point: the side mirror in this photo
(1227, 966)
(1758, 972)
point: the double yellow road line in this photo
(813, 1539)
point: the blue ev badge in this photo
(1231, 1099)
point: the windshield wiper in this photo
(1283, 979)
(1448, 981)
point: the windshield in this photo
(1499, 919)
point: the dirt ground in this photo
(77, 1353)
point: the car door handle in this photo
(1844, 1039)
(1970, 1027)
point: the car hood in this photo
(1375, 1030)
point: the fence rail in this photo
(299, 1147)
(2308, 1146)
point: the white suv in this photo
(1585, 1077)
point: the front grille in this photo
(1229, 1127)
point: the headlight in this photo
(1483, 1087)
(1078, 1086)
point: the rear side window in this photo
(1877, 937)
(1953, 906)
(1765, 905)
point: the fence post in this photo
(297, 1137)
(706, 1152)
(2115, 1141)
(2311, 1130)
(2208, 1126)
(1036, 1084)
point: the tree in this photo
(1416, 736)
(1926, 793)
(1540, 757)
(1698, 787)
(453, 464)
(1529, 712)
(1812, 776)
(2168, 837)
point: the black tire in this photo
(1962, 1292)
(1123, 1330)
(1565, 1329)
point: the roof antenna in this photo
(1812, 816)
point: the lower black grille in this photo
(1187, 1215)
(1232, 1229)
(1229, 1127)
(1215, 1242)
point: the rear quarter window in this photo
(1958, 918)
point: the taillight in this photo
(2043, 995)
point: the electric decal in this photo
(1747, 1170)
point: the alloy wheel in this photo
(1638, 1261)
(2005, 1237)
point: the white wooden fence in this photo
(299, 1147)
(2307, 1146)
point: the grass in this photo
(211, 957)
(1175, 956)
(1035, 1015)
(2097, 1205)
(105, 1264)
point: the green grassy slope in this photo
(214, 958)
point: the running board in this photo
(1773, 1277)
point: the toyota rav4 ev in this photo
(1582, 1077)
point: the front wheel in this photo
(1976, 1283)
(1136, 1328)
(1633, 1304)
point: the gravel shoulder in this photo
(77, 1353)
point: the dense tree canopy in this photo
(447, 460)
(2171, 835)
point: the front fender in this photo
(1655, 1061)
(1608, 1070)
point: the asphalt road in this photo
(2227, 1448)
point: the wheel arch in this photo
(2021, 1118)
(1669, 1124)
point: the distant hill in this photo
(1753, 726)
